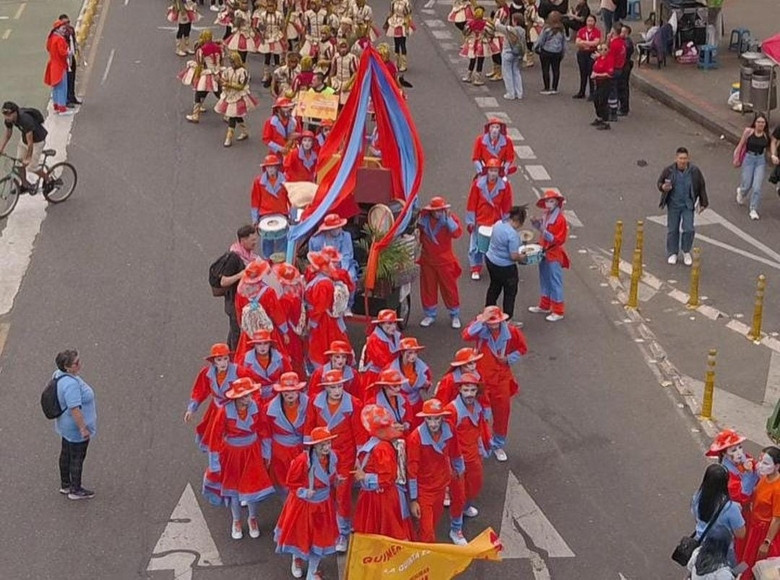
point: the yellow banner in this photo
(317, 105)
(373, 557)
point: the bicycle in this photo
(57, 185)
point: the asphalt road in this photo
(120, 273)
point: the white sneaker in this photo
(296, 568)
(475, 276)
(455, 322)
(672, 259)
(236, 532)
(348, 312)
(254, 529)
(341, 544)
(427, 321)
(687, 259)
(545, 92)
(447, 500)
(753, 214)
(538, 310)
(553, 317)
(740, 196)
(457, 538)
(508, 97)
(214, 8)
(500, 454)
(471, 512)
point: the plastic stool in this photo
(707, 56)
(739, 40)
(634, 10)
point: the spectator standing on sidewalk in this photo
(682, 188)
(588, 40)
(608, 8)
(242, 252)
(617, 51)
(512, 53)
(73, 61)
(56, 75)
(574, 20)
(551, 47)
(547, 7)
(754, 145)
(602, 81)
(76, 426)
(624, 89)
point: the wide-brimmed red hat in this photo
(283, 103)
(289, 382)
(331, 222)
(287, 273)
(332, 254)
(468, 379)
(242, 387)
(433, 408)
(465, 356)
(388, 378)
(318, 435)
(261, 336)
(270, 160)
(492, 315)
(318, 261)
(437, 203)
(550, 194)
(339, 347)
(493, 163)
(333, 377)
(386, 315)
(723, 440)
(378, 422)
(307, 134)
(255, 270)
(410, 343)
(495, 121)
(326, 123)
(218, 349)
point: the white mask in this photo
(736, 454)
(492, 174)
(550, 204)
(494, 131)
(307, 143)
(766, 466)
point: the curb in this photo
(85, 20)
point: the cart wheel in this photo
(403, 311)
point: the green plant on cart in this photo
(394, 262)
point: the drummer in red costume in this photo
(417, 375)
(439, 266)
(236, 474)
(502, 345)
(301, 162)
(266, 361)
(493, 144)
(465, 362)
(340, 358)
(381, 506)
(553, 232)
(213, 381)
(257, 307)
(470, 425)
(340, 413)
(433, 458)
(269, 194)
(325, 325)
(291, 301)
(286, 414)
(307, 525)
(489, 201)
(386, 392)
(281, 129)
(382, 345)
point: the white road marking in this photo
(524, 152)
(5, 18)
(486, 102)
(185, 541)
(772, 392)
(454, 59)
(572, 218)
(537, 172)
(4, 328)
(108, 67)
(175, 28)
(430, 4)
(434, 24)
(501, 116)
(739, 251)
(514, 134)
(429, 12)
(7, 34)
(20, 10)
(745, 236)
(126, 2)
(442, 34)
(449, 46)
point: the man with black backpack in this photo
(29, 121)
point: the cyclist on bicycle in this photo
(30, 147)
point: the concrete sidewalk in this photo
(701, 95)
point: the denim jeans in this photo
(752, 178)
(608, 16)
(510, 70)
(676, 217)
(59, 92)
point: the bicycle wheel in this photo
(62, 182)
(9, 195)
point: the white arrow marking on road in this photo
(186, 541)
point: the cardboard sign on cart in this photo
(319, 106)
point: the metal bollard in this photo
(616, 249)
(758, 311)
(693, 295)
(709, 386)
(640, 243)
(636, 273)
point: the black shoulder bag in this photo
(684, 550)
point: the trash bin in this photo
(745, 76)
(759, 90)
(767, 66)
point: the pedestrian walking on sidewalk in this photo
(682, 190)
(551, 47)
(76, 426)
(750, 155)
(607, 12)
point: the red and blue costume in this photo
(285, 424)
(488, 202)
(554, 232)
(439, 266)
(500, 148)
(267, 369)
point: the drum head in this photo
(273, 223)
(526, 235)
(380, 219)
(486, 231)
(531, 249)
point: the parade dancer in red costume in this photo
(465, 361)
(213, 381)
(281, 129)
(470, 425)
(301, 162)
(433, 459)
(286, 414)
(341, 358)
(439, 266)
(553, 232)
(493, 143)
(269, 194)
(381, 472)
(236, 475)
(291, 301)
(386, 392)
(502, 345)
(340, 413)
(382, 345)
(266, 361)
(326, 324)
(417, 375)
(307, 527)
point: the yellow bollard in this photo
(640, 243)
(758, 311)
(636, 272)
(709, 386)
(693, 295)
(616, 249)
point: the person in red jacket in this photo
(382, 345)
(489, 201)
(291, 302)
(56, 75)
(386, 392)
(382, 505)
(602, 73)
(493, 144)
(340, 413)
(618, 53)
(301, 161)
(266, 361)
(307, 528)
(465, 361)
(439, 266)
(281, 129)
(417, 375)
(501, 345)
(322, 134)
(320, 297)
(340, 358)
(286, 414)
(269, 194)
(553, 232)
(433, 456)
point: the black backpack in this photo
(34, 113)
(216, 271)
(50, 403)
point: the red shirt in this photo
(589, 36)
(604, 64)
(617, 50)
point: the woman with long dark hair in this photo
(755, 142)
(710, 560)
(551, 46)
